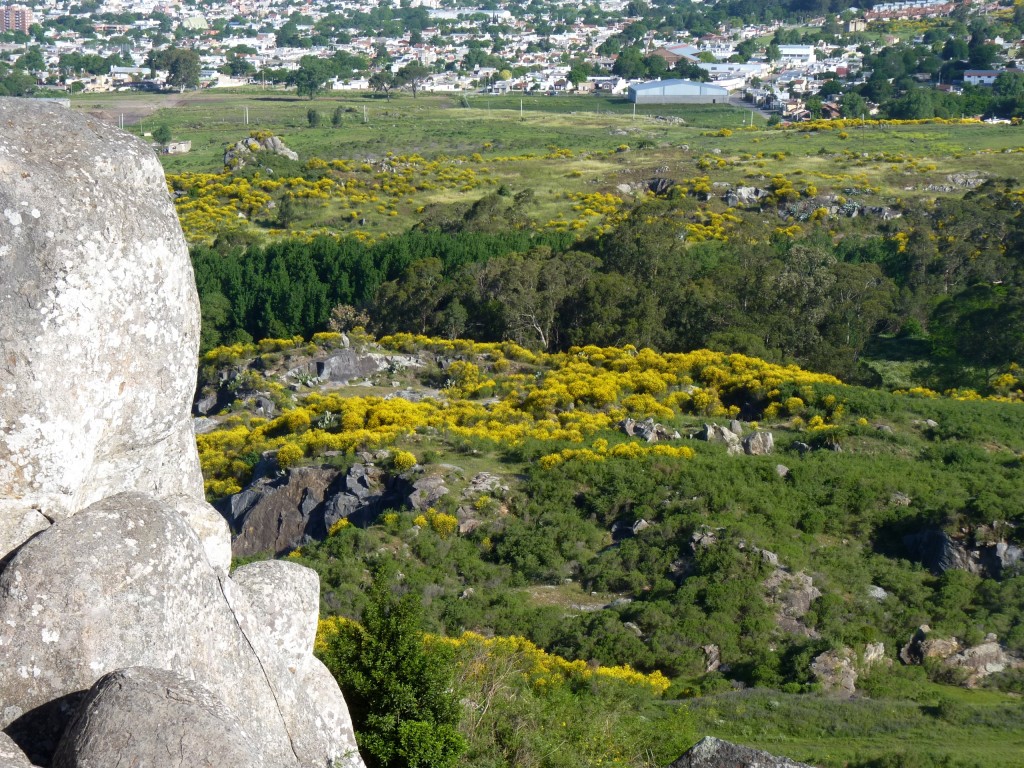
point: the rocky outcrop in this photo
(710, 752)
(715, 433)
(81, 280)
(647, 430)
(146, 716)
(792, 595)
(970, 665)
(745, 196)
(243, 152)
(758, 444)
(279, 513)
(111, 558)
(939, 552)
(835, 671)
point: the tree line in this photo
(951, 270)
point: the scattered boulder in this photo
(715, 433)
(792, 595)
(874, 653)
(712, 658)
(745, 196)
(244, 151)
(659, 186)
(877, 593)
(627, 529)
(156, 718)
(758, 444)
(782, 471)
(648, 430)
(974, 663)
(710, 752)
(835, 671)
(980, 661)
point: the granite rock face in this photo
(112, 565)
(94, 271)
(152, 717)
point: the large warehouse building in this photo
(677, 92)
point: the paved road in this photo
(736, 101)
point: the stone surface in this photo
(142, 716)
(758, 444)
(973, 664)
(285, 598)
(11, 755)
(123, 583)
(715, 433)
(940, 552)
(835, 671)
(710, 752)
(874, 653)
(82, 281)
(792, 595)
(126, 565)
(280, 513)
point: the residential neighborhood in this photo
(798, 69)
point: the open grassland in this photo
(943, 726)
(558, 147)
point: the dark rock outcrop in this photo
(939, 552)
(278, 514)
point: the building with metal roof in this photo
(677, 92)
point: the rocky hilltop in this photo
(121, 631)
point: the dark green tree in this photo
(413, 75)
(162, 134)
(311, 76)
(399, 693)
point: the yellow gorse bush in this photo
(545, 670)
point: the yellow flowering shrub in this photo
(403, 460)
(545, 670)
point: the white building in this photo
(797, 54)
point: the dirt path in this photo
(134, 107)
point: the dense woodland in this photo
(950, 270)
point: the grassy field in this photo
(948, 727)
(433, 124)
(560, 148)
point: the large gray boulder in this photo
(159, 719)
(284, 601)
(111, 557)
(710, 752)
(123, 583)
(95, 273)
